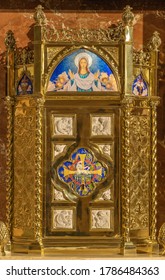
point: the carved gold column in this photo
(125, 173)
(127, 245)
(153, 209)
(9, 103)
(39, 173)
(40, 22)
(10, 47)
(127, 18)
(153, 47)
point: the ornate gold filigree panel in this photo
(114, 52)
(24, 56)
(52, 52)
(142, 58)
(24, 167)
(140, 149)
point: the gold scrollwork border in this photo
(127, 107)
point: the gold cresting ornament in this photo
(3, 237)
(161, 237)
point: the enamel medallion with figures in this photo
(82, 172)
(82, 71)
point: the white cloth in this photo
(84, 83)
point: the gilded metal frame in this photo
(115, 46)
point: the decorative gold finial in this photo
(3, 237)
(10, 40)
(161, 237)
(39, 16)
(155, 42)
(128, 16)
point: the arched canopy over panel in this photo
(82, 71)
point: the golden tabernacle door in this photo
(82, 140)
(82, 166)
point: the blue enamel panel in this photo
(24, 86)
(82, 71)
(139, 87)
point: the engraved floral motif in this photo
(58, 149)
(24, 162)
(52, 52)
(139, 175)
(113, 51)
(24, 56)
(112, 34)
(58, 195)
(161, 237)
(4, 237)
(142, 57)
